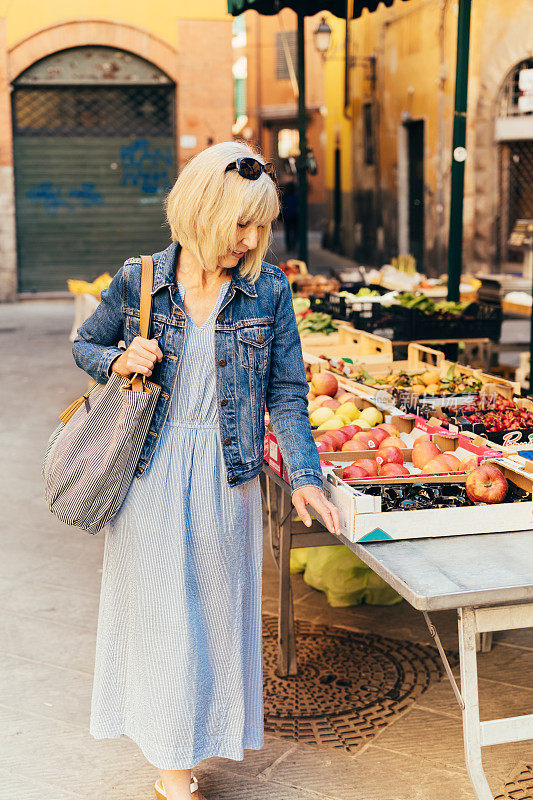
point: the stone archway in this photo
(75, 33)
(513, 48)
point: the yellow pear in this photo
(345, 418)
(363, 423)
(372, 415)
(320, 415)
(349, 409)
(331, 424)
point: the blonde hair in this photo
(206, 203)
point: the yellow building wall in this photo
(414, 44)
(26, 16)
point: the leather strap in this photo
(137, 382)
(147, 282)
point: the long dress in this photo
(178, 664)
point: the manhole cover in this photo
(520, 785)
(349, 685)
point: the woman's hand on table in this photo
(140, 357)
(315, 497)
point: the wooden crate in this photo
(359, 346)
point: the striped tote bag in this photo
(92, 455)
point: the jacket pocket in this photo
(132, 328)
(254, 346)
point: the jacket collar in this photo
(165, 272)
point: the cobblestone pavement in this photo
(49, 586)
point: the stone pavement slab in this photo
(49, 586)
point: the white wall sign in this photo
(188, 142)
(525, 86)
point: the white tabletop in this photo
(455, 571)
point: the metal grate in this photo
(349, 685)
(520, 785)
(516, 197)
(508, 101)
(93, 111)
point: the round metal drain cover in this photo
(349, 685)
(520, 784)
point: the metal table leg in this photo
(286, 634)
(473, 621)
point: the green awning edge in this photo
(309, 7)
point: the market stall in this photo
(493, 592)
(427, 461)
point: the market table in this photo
(488, 578)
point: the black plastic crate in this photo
(478, 320)
(392, 322)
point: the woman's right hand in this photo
(140, 357)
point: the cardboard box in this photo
(506, 438)
(367, 526)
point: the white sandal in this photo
(162, 795)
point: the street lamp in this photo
(322, 37)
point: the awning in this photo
(308, 7)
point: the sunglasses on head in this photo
(252, 169)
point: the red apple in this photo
(392, 430)
(369, 465)
(338, 436)
(354, 473)
(331, 403)
(355, 444)
(323, 447)
(367, 438)
(436, 467)
(452, 461)
(425, 452)
(351, 429)
(345, 397)
(486, 484)
(379, 435)
(468, 463)
(324, 383)
(425, 438)
(389, 455)
(390, 470)
(328, 438)
(394, 441)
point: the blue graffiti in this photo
(50, 196)
(88, 195)
(145, 167)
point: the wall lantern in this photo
(322, 36)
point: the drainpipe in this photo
(455, 237)
(301, 162)
(443, 74)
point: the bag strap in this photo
(147, 282)
(137, 382)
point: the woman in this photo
(178, 656)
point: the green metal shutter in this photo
(92, 166)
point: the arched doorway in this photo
(94, 154)
(514, 135)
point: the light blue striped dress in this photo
(179, 654)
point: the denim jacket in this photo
(258, 360)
